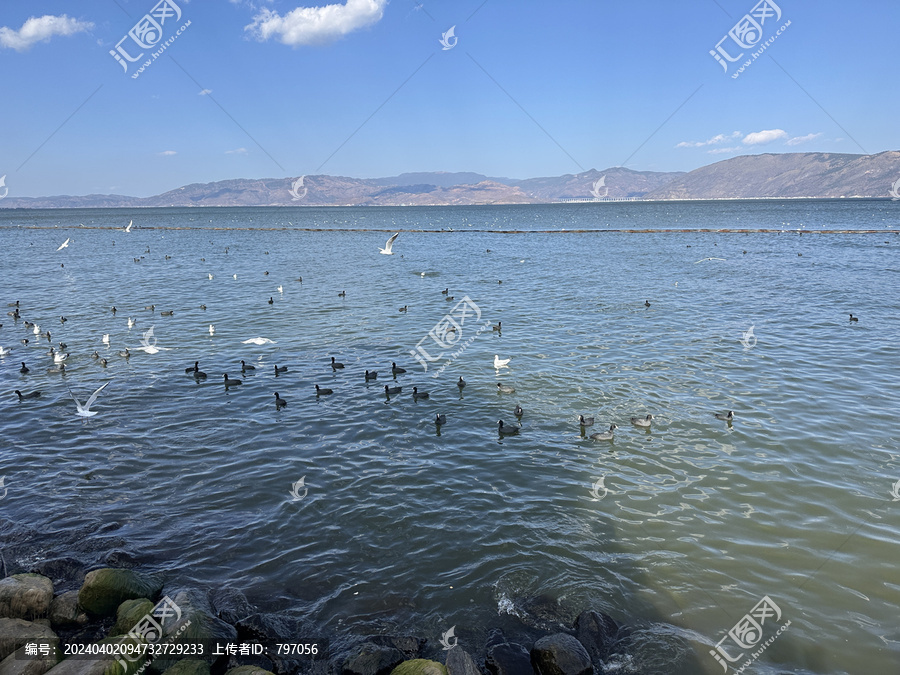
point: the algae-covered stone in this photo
(25, 596)
(188, 667)
(105, 589)
(420, 667)
(129, 614)
(14, 633)
(460, 662)
(249, 670)
(19, 663)
(65, 611)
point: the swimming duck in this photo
(33, 394)
(245, 367)
(392, 390)
(371, 375)
(642, 421)
(504, 389)
(396, 370)
(461, 383)
(322, 392)
(725, 416)
(420, 394)
(336, 364)
(585, 421)
(506, 430)
(229, 382)
(606, 435)
(440, 419)
(279, 402)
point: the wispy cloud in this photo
(204, 92)
(797, 140)
(166, 153)
(40, 30)
(722, 151)
(316, 25)
(765, 136)
(236, 151)
(715, 140)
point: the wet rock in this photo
(188, 667)
(129, 614)
(101, 665)
(503, 657)
(18, 663)
(25, 596)
(560, 654)
(408, 645)
(65, 573)
(119, 558)
(14, 633)
(420, 667)
(459, 662)
(249, 670)
(197, 623)
(105, 589)
(372, 659)
(66, 612)
(230, 605)
(597, 633)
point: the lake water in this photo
(404, 528)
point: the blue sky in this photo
(364, 88)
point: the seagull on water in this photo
(389, 245)
(212, 329)
(85, 410)
(501, 363)
(4, 351)
(65, 244)
(258, 341)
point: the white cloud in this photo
(316, 25)
(715, 140)
(797, 140)
(166, 153)
(237, 151)
(764, 136)
(720, 151)
(204, 92)
(40, 30)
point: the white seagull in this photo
(128, 228)
(64, 244)
(210, 276)
(85, 410)
(212, 329)
(4, 351)
(106, 339)
(501, 363)
(389, 245)
(258, 341)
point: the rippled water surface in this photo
(408, 528)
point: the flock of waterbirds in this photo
(84, 411)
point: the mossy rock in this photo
(105, 589)
(65, 611)
(14, 633)
(101, 665)
(420, 667)
(188, 667)
(129, 613)
(249, 670)
(25, 596)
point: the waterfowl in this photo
(396, 370)
(388, 247)
(585, 421)
(440, 419)
(606, 435)
(59, 358)
(642, 421)
(449, 298)
(125, 354)
(504, 389)
(198, 374)
(36, 330)
(279, 402)
(446, 291)
(322, 392)
(725, 416)
(202, 306)
(169, 313)
(271, 299)
(59, 370)
(24, 341)
(131, 322)
(194, 368)
(461, 383)
(4, 351)
(282, 369)
(103, 362)
(85, 410)
(501, 363)
(498, 326)
(404, 308)
(106, 339)
(24, 369)
(63, 346)
(342, 294)
(336, 364)
(371, 376)
(392, 390)
(518, 412)
(228, 382)
(854, 318)
(33, 394)
(245, 367)
(420, 394)
(150, 307)
(646, 303)
(113, 309)
(62, 319)
(505, 430)
(212, 328)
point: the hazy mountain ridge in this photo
(790, 175)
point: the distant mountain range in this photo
(767, 176)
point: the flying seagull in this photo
(128, 228)
(389, 245)
(64, 245)
(85, 410)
